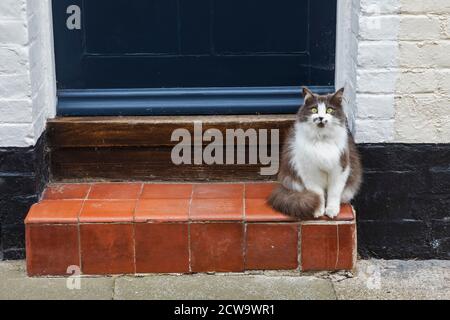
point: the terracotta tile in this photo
(115, 191)
(216, 210)
(259, 190)
(97, 211)
(346, 214)
(258, 210)
(66, 191)
(162, 210)
(218, 191)
(167, 191)
(107, 248)
(162, 248)
(318, 247)
(55, 211)
(272, 247)
(347, 246)
(51, 249)
(217, 247)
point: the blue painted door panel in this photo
(151, 44)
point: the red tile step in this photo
(136, 228)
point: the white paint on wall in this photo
(403, 71)
(27, 75)
(422, 105)
(346, 44)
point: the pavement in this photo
(373, 279)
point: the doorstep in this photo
(139, 228)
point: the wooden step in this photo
(139, 148)
(135, 228)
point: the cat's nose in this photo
(320, 119)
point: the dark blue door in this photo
(128, 50)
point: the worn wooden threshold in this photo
(139, 148)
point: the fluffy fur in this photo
(320, 165)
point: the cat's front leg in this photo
(315, 181)
(336, 184)
(320, 212)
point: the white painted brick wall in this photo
(377, 70)
(27, 82)
(422, 107)
(403, 71)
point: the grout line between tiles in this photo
(337, 247)
(244, 249)
(189, 228)
(299, 247)
(134, 227)
(80, 251)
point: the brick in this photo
(443, 79)
(425, 55)
(380, 7)
(379, 27)
(378, 54)
(394, 239)
(15, 86)
(419, 28)
(375, 81)
(447, 28)
(12, 9)
(429, 6)
(375, 106)
(374, 131)
(13, 32)
(417, 82)
(422, 125)
(16, 111)
(13, 60)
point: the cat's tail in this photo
(301, 204)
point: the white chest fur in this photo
(317, 149)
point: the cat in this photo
(320, 167)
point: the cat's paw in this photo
(319, 213)
(332, 211)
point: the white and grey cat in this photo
(320, 165)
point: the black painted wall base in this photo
(23, 176)
(404, 205)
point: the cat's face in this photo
(322, 111)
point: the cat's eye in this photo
(330, 110)
(314, 110)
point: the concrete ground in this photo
(374, 279)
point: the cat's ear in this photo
(336, 98)
(307, 95)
